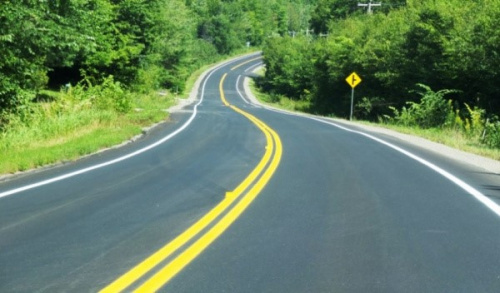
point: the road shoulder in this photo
(486, 164)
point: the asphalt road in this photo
(297, 205)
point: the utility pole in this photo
(369, 5)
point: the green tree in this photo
(24, 46)
(327, 10)
(289, 66)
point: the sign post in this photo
(353, 80)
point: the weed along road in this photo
(231, 196)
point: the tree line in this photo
(403, 51)
(141, 44)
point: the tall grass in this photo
(75, 122)
(436, 114)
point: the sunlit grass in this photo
(450, 137)
(58, 136)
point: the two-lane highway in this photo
(245, 199)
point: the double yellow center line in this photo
(219, 218)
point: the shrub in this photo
(491, 134)
(109, 95)
(474, 124)
(432, 110)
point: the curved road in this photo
(245, 199)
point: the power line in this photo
(369, 5)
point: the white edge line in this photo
(468, 188)
(133, 154)
(253, 66)
(238, 90)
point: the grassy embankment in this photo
(447, 136)
(69, 125)
(62, 131)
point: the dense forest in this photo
(139, 44)
(427, 63)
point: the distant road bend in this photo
(231, 196)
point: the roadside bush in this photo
(109, 95)
(368, 107)
(17, 109)
(491, 136)
(112, 96)
(289, 70)
(148, 79)
(432, 110)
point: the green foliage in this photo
(367, 106)
(74, 122)
(327, 10)
(144, 44)
(104, 54)
(21, 66)
(109, 95)
(331, 95)
(432, 111)
(289, 66)
(491, 135)
(442, 44)
(474, 121)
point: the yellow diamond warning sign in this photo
(353, 80)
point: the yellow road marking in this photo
(222, 96)
(184, 258)
(246, 62)
(142, 268)
(169, 271)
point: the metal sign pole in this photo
(352, 104)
